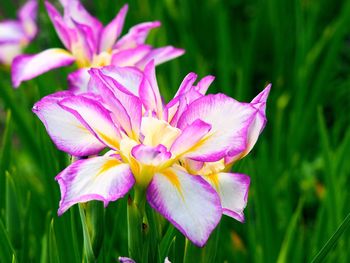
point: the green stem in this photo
(88, 254)
(137, 226)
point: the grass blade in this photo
(321, 255)
(6, 250)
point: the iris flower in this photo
(15, 35)
(88, 43)
(175, 153)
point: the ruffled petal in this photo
(149, 155)
(94, 117)
(230, 121)
(187, 201)
(233, 191)
(65, 129)
(127, 79)
(126, 107)
(26, 67)
(113, 30)
(101, 178)
(186, 94)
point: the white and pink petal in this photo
(230, 122)
(78, 81)
(131, 56)
(149, 91)
(62, 30)
(187, 201)
(66, 131)
(112, 31)
(94, 117)
(26, 67)
(150, 155)
(27, 15)
(233, 191)
(100, 178)
(136, 36)
(160, 55)
(8, 52)
(11, 31)
(256, 126)
(126, 107)
(75, 11)
(189, 137)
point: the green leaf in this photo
(88, 252)
(53, 249)
(166, 242)
(13, 219)
(321, 255)
(95, 219)
(287, 244)
(5, 156)
(6, 249)
(134, 231)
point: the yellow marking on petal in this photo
(108, 165)
(108, 140)
(172, 177)
(214, 180)
(78, 52)
(196, 145)
(102, 59)
(83, 128)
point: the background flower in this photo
(15, 35)
(90, 44)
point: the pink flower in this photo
(90, 44)
(178, 152)
(15, 35)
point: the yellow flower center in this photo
(154, 132)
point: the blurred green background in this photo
(299, 168)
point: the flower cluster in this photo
(15, 35)
(113, 119)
